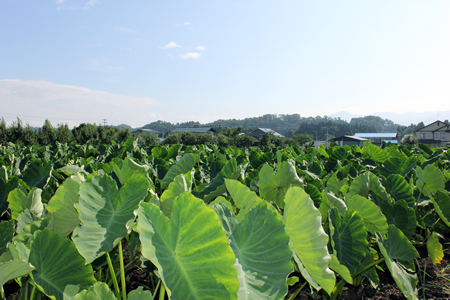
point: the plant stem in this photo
(337, 289)
(297, 292)
(32, 292)
(122, 272)
(154, 291)
(162, 291)
(2, 296)
(111, 270)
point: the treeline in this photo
(234, 137)
(47, 135)
(290, 125)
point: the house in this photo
(258, 133)
(349, 140)
(140, 130)
(379, 138)
(436, 134)
(195, 130)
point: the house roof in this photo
(268, 130)
(441, 124)
(196, 130)
(377, 135)
(145, 130)
(350, 138)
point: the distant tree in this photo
(222, 140)
(242, 141)
(15, 132)
(302, 139)
(85, 132)
(409, 139)
(419, 126)
(47, 134)
(30, 136)
(3, 132)
(174, 138)
(146, 139)
(63, 134)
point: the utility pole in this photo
(104, 122)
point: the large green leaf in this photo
(434, 249)
(99, 290)
(273, 187)
(140, 294)
(398, 250)
(308, 239)
(396, 165)
(262, 251)
(6, 234)
(441, 203)
(375, 153)
(37, 173)
(366, 184)
(348, 238)
(34, 202)
(184, 165)
(217, 186)
(400, 215)
(329, 200)
(13, 269)
(242, 196)
(127, 169)
(25, 237)
(5, 189)
(338, 187)
(191, 250)
(177, 187)
(373, 219)
(64, 215)
(342, 270)
(60, 270)
(399, 189)
(104, 211)
(429, 180)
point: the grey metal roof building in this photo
(349, 140)
(258, 133)
(194, 130)
(145, 130)
(377, 135)
(379, 138)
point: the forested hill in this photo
(295, 124)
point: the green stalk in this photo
(26, 289)
(337, 289)
(154, 291)
(2, 296)
(122, 272)
(32, 292)
(162, 291)
(111, 270)
(297, 292)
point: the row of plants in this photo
(209, 222)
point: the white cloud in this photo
(90, 4)
(40, 100)
(60, 1)
(170, 45)
(125, 30)
(200, 48)
(194, 55)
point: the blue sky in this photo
(136, 62)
